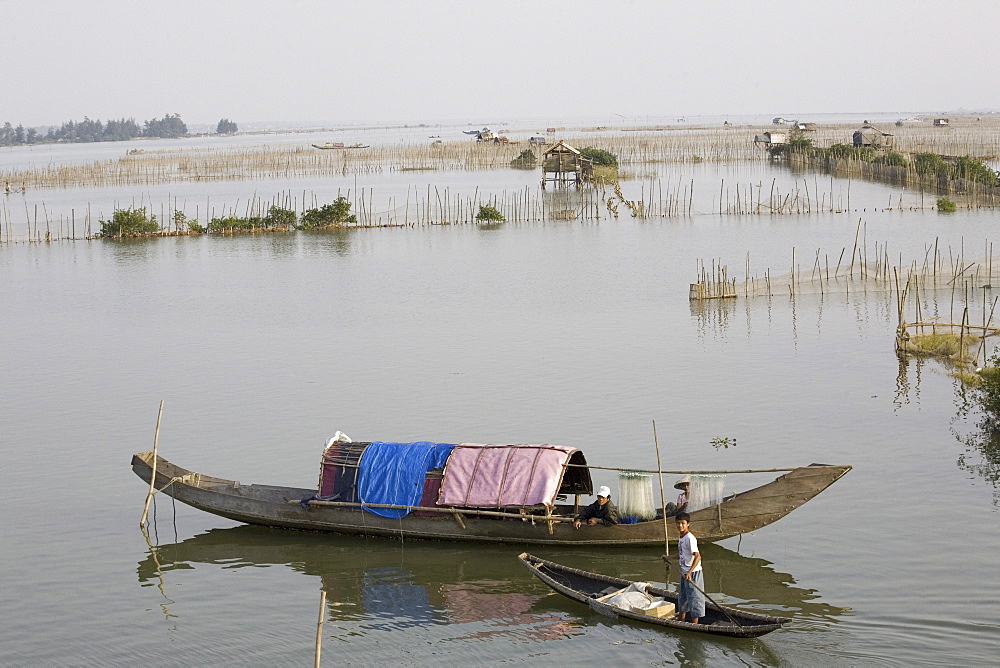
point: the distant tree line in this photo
(226, 126)
(94, 131)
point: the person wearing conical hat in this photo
(671, 509)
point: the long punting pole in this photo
(152, 477)
(663, 499)
(688, 472)
(663, 506)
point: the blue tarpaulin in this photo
(394, 473)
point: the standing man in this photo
(601, 511)
(690, 599)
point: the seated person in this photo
(601, 511)
(672, 509)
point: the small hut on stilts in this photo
(564, 164)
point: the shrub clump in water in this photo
(527, 160)
(599, 157)
(129, 223)
(489, 214)
(946, 205)
(329, 215)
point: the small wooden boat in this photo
(441, 515)
(341, 145)
(592, 589)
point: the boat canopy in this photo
(394, 474)
(481, 475)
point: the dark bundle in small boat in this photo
(594, 589)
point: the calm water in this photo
(568, 332)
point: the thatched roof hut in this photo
(565, 164)
(870, 136)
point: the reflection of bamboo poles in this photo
(161, 585)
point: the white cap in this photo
(604, 491)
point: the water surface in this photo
(557, 331)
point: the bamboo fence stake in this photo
(152, 476)
(319, 625)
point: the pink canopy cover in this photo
(482, 475)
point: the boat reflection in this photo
(382, 584)
(389, 585)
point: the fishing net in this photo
(706, 490)
(635, 497)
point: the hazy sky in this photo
(377, 61)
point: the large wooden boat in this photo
(594, 590)
(547, 523)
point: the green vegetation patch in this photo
(599, 157)
(925, 164)
(335, 214)
(181, 221)
(276, 219)
(946, 205)
(489, 214)
(129, 223)
(527, 160)
(944, 345)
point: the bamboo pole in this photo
(431, 509)
(152, 477)
(319, 625)
(677, 472)
(663, 500)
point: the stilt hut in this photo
(772, 138)
(870, 136)
(564, 164)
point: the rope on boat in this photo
(187, 479)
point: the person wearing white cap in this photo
(601, 511)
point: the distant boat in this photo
(338, 144)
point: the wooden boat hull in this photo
(584, 587)
(269, 505)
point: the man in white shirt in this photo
(690, 599)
